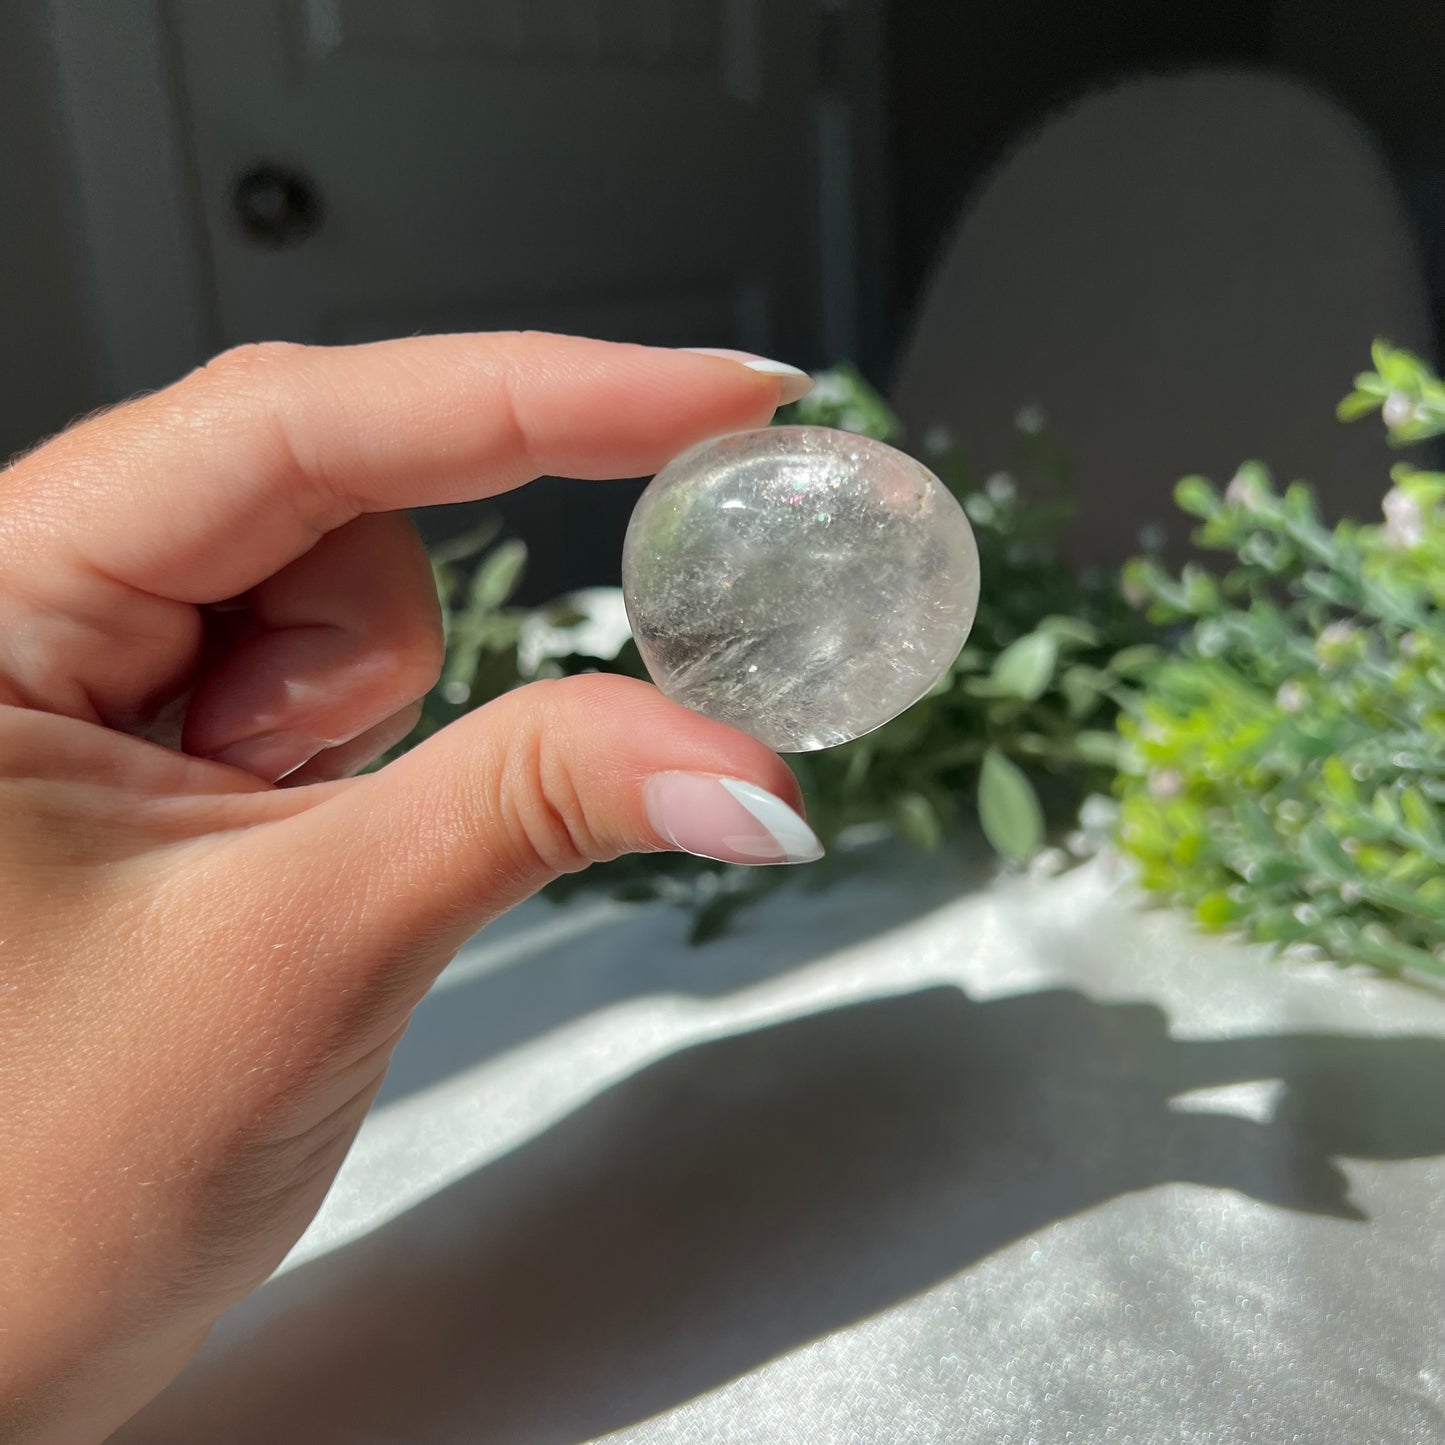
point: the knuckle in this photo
(547, 809)
(253, 361)
(423, 655)
(397, 678)
(407, 667)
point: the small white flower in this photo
(1398, 410)
(1211, 638)
(1001, 489)
(1404, 519)
(456, 693)
(1048, 862)
(1133, 593)
(1166, 783)
(1336, 637)
(831, 389)
(1291, 697)
(1243, 492)
(1030, 419)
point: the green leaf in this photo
(1300, 508)
(1196, 496)
(1386, 807)
(466, 544)
(1201, 592)
(1008, 808)
(1071, 629)
(1256, 482)
(1356, 405)
(917, 820)
(1427, 488)
(1134, 660)
(498, 576)
(1216, 910)
(1254, 824)
(984, 687)
(1338, 783)
(1321, 850)
(1397, 367)
(1421, 816)
(1388, 954)
(1098, 747)
(1269, 872)
(1032, 745)
(1024, 668)
(1082, 688)
(860, 757)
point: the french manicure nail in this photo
(793, 382)
(272, 756)
(727, 819)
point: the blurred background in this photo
(1171, 228)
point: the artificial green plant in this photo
(1284, 774)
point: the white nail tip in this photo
(775, 368)
(795, 839)
(794, 382)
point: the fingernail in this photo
(793, 382)
(727, 819)
(272, 756)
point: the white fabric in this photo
(924, 1158)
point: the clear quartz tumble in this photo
(802, 584)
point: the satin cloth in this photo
(928, 1157)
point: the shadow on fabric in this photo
(500, 1009)
(740, 1198)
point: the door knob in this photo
(276, 205)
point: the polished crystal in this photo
(802, 584)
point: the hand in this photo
(202, 974)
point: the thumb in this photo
(412, 860)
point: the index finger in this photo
(203, 490)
